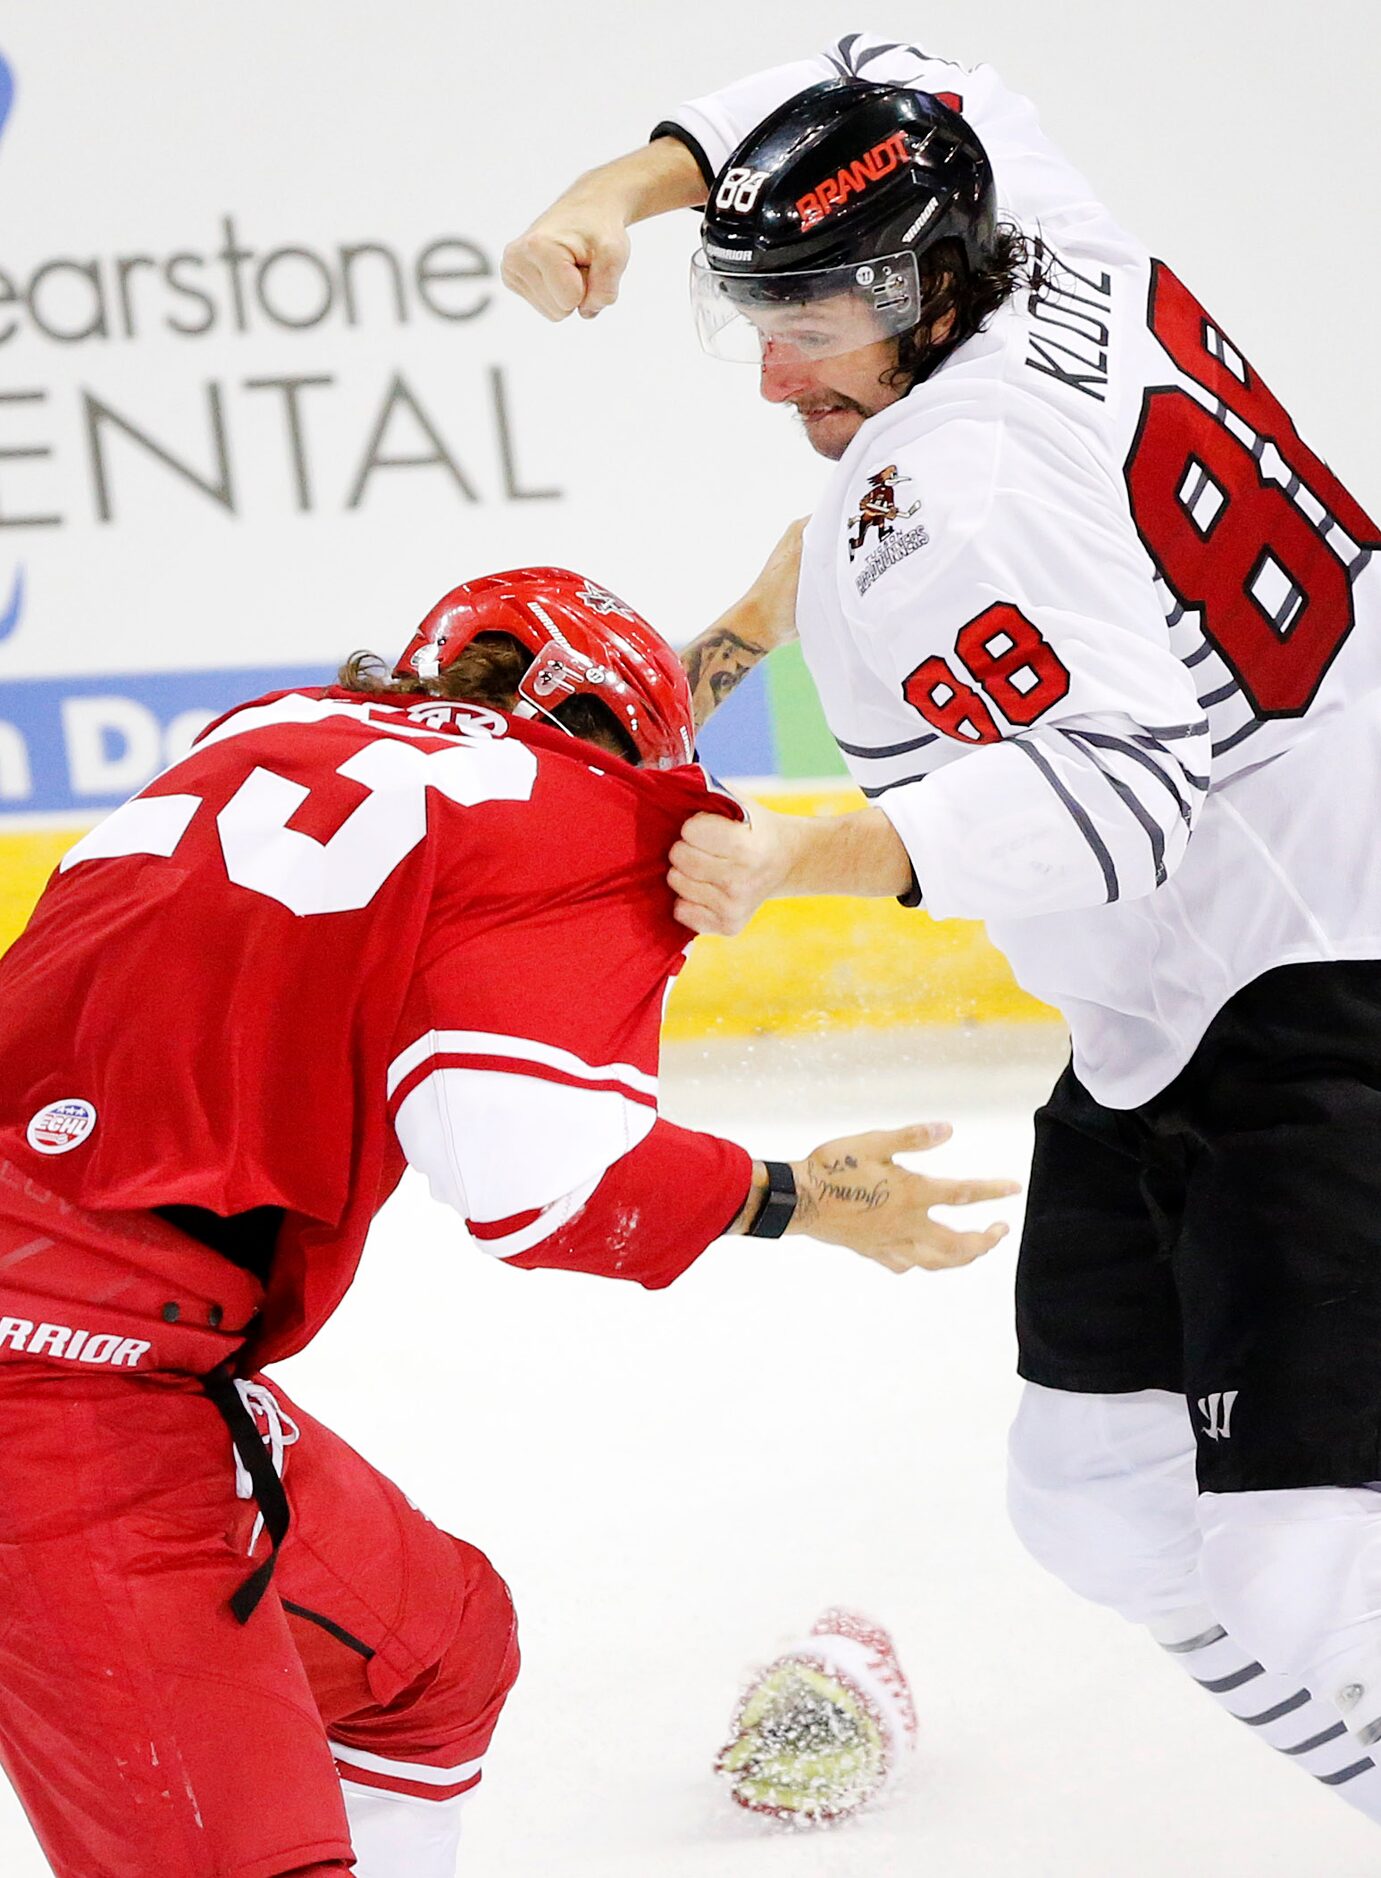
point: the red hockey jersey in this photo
(344, 933)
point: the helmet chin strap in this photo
(526, 708)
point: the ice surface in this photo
(676, 1484)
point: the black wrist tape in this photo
(779, 1203)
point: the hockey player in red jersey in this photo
(322, 946)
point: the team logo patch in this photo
(880, 511)
(61, 1126)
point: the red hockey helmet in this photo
(584, 641)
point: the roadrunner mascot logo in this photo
(877, 508)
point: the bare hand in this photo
(572, 258)
(853, 1193)
(722, 871)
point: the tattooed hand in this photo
(853, 1193)
(764, 618)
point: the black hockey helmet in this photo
(838, 192)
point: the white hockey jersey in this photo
(1094, 627)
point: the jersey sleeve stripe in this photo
(1129, 799)
(486, 1229)
(850, 64)
(1078, 814)
(1169, 732)
(1249, 729)
(516, 1148)
(880, 750)
(1194, 780)
(520, 1232)
(898, 782)
(1344, 1774)
(1100, 740)
(518, 1050)
(516, 1066)
(840, 54)
(880, 52)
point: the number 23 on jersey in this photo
(376, 798)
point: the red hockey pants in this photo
(148, 1732)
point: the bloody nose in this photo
(782, 380)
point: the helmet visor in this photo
(814, 314)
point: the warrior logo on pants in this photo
(1217, 1413)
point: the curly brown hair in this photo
(488, 672)
(973, 295)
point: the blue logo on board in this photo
(78, 746)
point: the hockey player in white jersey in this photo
(1100, 637)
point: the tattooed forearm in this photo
(716, 663)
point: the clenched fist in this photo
(722, 871)
(573, 257)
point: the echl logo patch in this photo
(879, 510)
(61, 1126)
